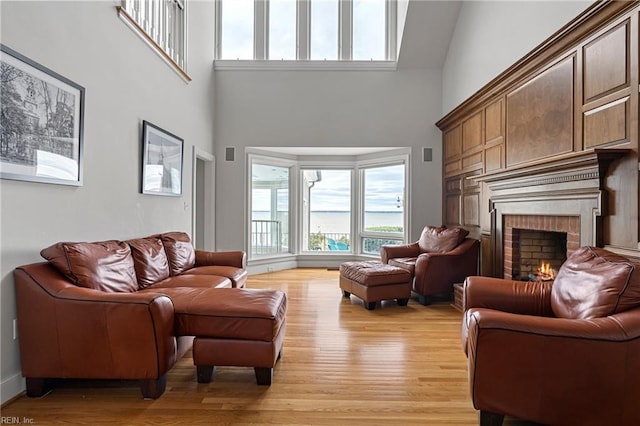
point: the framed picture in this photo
(162, 158)
(41, 122)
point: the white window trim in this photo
(345, 37)
(267, 65)
(293, 200)
(376, 163)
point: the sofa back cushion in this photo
(593, 283)
(180, 252)
(440, 239)
(106, 265)
(150, 260)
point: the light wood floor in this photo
(341, 364)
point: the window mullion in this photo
(260, 30)
(345, 35)
(303, 30)
(391, 30)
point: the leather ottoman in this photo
(233, 327)
(374, 281)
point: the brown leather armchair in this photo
(559, 353)
(440, 258)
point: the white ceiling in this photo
(427, 32)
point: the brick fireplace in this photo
(530, 240)
(560, 204)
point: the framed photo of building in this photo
(162, 159)
(41, 122)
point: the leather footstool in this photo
(233, 327)
(374, 281)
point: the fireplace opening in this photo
(539, 254)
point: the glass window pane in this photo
(282, 29)
(327, 210)
(324, 29)
(384, 199)
(372, 245)
(237, 29)
(269, 209)
(369, 29)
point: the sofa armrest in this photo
(237, 259)
(518, 297)
(615, 328)
(405, 250)
(70, 331)
(517, 361)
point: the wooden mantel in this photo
(563, 169)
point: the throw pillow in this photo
(440, 239)
(106, 265)
(180, 252)
(594, 283)
(150, 260)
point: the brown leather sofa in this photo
(563, 352)
(105, 310)
(440, 258)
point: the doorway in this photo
(203, 221)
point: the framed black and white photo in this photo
(41, 122)
(162, 159)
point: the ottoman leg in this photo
(403, 302)
(263, 375)
(370, 305)
(346, 294)
(204, 373)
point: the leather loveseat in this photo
(561, 352)
(440, 258)
(109, 310)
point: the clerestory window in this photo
(306, 30)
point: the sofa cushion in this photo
(149, 259)
(185, 281)
(440, 239)
(106, 265)
(238, 276)
(180, 252)
(594, 283)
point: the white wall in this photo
(492, 35)
(337, 108)
(125, 82)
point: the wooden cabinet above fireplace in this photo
(573, 98)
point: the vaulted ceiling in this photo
(427, 32)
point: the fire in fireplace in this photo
(530, 240)
(544, 273)
(541, 253)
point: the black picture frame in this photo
(41, 122)
(162, 161)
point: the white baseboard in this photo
(11, 387)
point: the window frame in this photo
(293, 200)
(303, 61)
(327, 165)
(362, 234)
